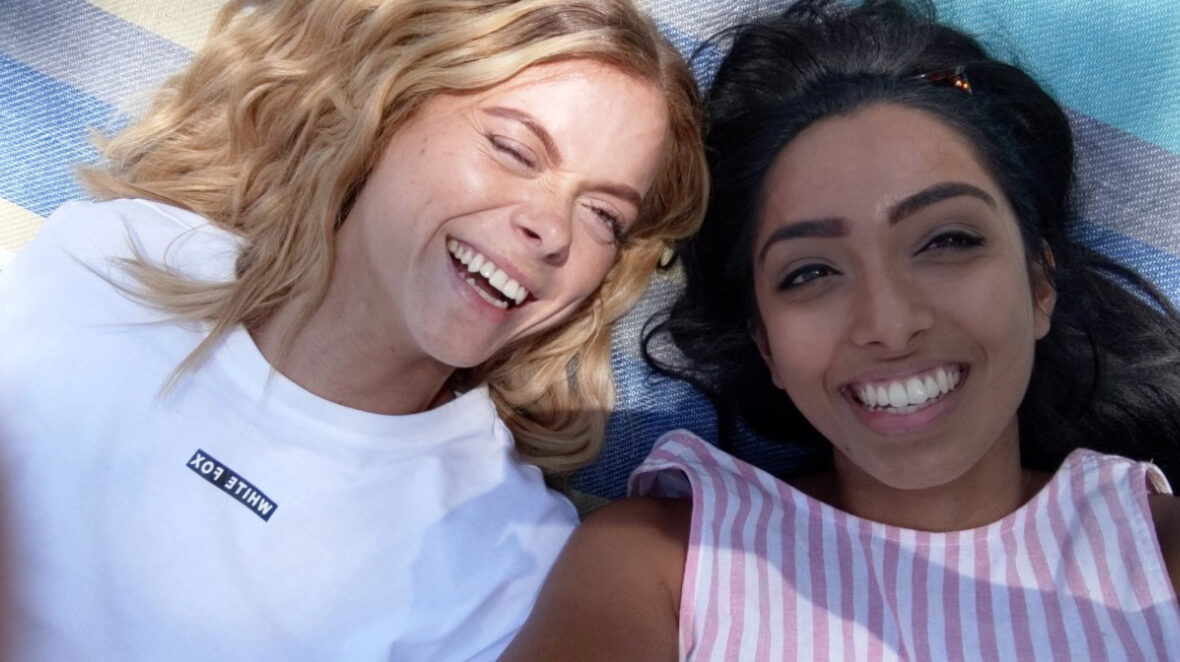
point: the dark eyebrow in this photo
(937, 193)
(532, 125)
(819, 227)
(825, 228)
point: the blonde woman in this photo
(261, 402)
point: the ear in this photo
(758, 333)
(1044, 292)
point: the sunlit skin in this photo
(903, 255)
(884, 250)
(542, 174)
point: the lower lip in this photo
(889, 424)
(483, 306)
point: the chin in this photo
(459, 357)
(914, 473)
(466, 360)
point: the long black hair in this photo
(1107, 376)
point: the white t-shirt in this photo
(236, 516)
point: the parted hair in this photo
(1107, 375)
(274, 126)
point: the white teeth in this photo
(869, 395)
(476, 263)
(897, 395)
(931, 387)
(499, 303)
(903, 397)
(915, 391)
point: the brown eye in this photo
(804, 275)
(953, 240)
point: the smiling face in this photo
(492, 216)
(895, 296)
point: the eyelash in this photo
(955, 240)
(815, 271)
(612, 221)
(501, 144)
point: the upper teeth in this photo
(495, 276)
(910, 392)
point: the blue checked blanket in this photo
(68, 67)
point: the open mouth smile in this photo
(905, 396)
(488, 280)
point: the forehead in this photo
(581, 74)
(569, 93)
(862, 163)
(603, 121)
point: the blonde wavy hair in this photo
(273, 128)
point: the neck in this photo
(992, 488)
(348, 355)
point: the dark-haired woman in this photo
(889, 247)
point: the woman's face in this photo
(492, 216)
(895, 296)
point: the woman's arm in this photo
(614, 593)
(1165, 511)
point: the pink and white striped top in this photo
(772, 574)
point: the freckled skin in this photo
(607, 126)
(399, 316)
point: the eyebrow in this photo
(532, 125)
(825, 228)
(621, 191)
(934, 194)
(618, 190)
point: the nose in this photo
(545, 226)
(889, 313)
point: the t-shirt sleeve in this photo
(81, 252)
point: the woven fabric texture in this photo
(68, 67)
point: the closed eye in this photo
(514, 150)
(610, 222)
(805, 275)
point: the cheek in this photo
(999, 307)
(436, 175)
(587, 267)
(802, 343)
(996, 315)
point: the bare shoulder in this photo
(615, 591)
(1165, 512)
(656, 521)
(644, 538)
